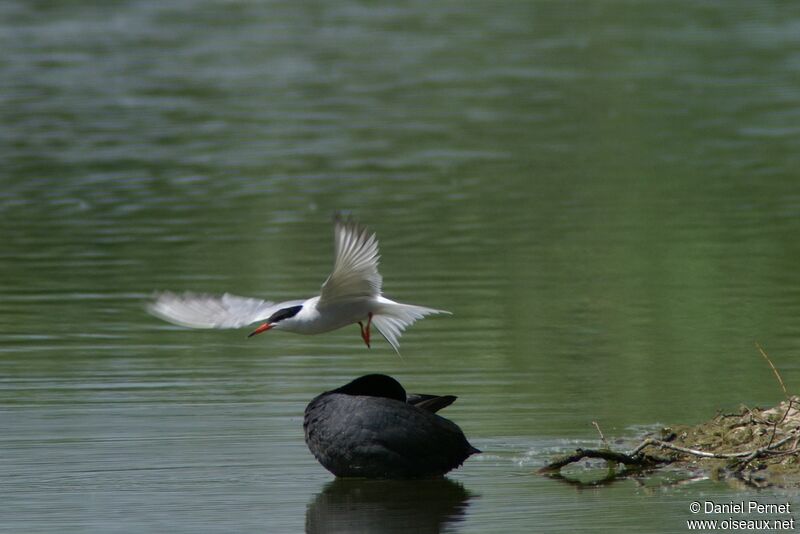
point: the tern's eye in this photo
(284, 313)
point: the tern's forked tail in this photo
(394, 317)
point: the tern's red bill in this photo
(263, 328)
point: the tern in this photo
(350, 295)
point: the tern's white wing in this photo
(355, 269)
(210, 311)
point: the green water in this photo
(605, 195)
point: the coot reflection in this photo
(371, 428)
(421, 506)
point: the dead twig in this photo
(785, 392)
(602, 437)
(774, 370)
(749, 455)
(641, 460)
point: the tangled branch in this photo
(639, 459)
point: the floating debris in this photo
(758, 447)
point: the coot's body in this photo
(371, 428)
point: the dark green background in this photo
(605, 195)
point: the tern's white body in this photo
(351, 294)
(313, 320)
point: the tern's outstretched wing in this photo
(210, 311)
(355, 268)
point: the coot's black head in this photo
(374, 386)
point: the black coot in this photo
(371, 428)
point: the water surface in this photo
(605, 195)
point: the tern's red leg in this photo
(365, 330)
(363, 333)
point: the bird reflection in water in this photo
(387, 506)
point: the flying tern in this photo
(350, 295)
